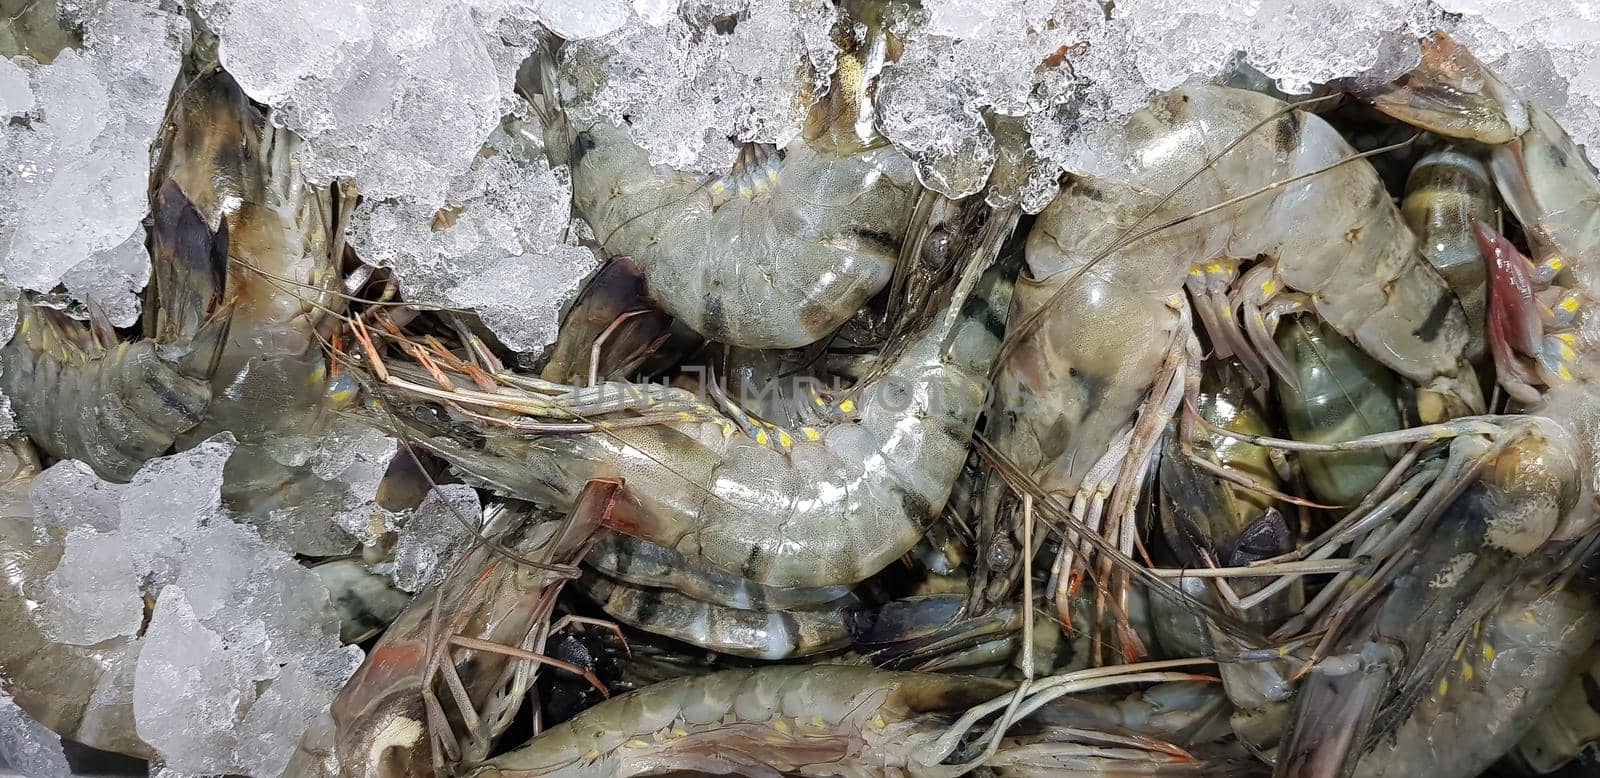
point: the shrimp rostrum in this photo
(819, 506)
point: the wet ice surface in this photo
(431, 536)
(242, 650)
(497, 245)
(691, 83)
(26, 746)
(74, 168)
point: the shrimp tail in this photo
(1336, 704)
(190, 261)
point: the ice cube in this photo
(16, 97)
(591, 19)
(76, 172)
(713, 71)
(433, 535)
(395, 94)
(68, 494)
(498, 247)
(92, 595)
(186, 690)
(167, 501)
(27, 746)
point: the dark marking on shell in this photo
(1432, 325)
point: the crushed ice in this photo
(75, 153)
(242, 651)
(26, 746)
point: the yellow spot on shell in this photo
(781, 726)
(317, 375)
(762, 438)
(784, 439)
(1564, 373)
(1466, 671)
(1213, 267)
(816, 721)
(878, 722)
(1488, 653)
(847, 406)
(1269, 287)
(811, 434)
(1461, 649)
(1555, 263)
(1569, 304)
(637, 743)
(1444, 687)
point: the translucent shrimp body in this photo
(817, 720)
(238, 169)
(776, 254)
(1215, 178)
(835, 507)
(1511, 665)
(1541, 327)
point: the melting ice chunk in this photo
(72, 190)
(497, 247)
(92, 595)
(28, 746)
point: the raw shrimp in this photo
(365, 601)
(1209, 523)
(818, 720)
(283, 278)
(820, 509)
(1567, 728)
(471, 631)
(758, 634)
(80, 692)
(1540, 326)
(929, 633)
(1539, 492)
(641, 563)
(783, 249)
(1388, 654)
(1217, 178)
(272, 388)
(80, 394)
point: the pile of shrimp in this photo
(1273, 453)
